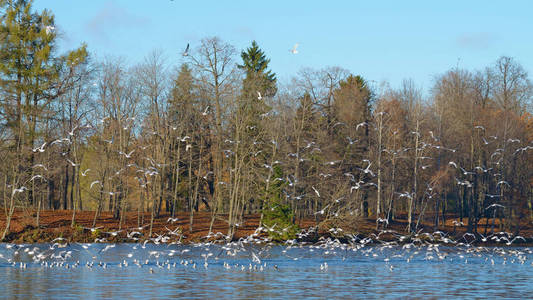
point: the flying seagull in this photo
(50, 29)
(293, 50)
(186, 52)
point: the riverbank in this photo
(57, 224)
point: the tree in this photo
(258, 78)
(213, 65)
(31, 77)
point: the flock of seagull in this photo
(257, 252)
(293, 50)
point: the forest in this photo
(220, 134)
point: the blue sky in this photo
(380, 40)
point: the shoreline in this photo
(56, 226)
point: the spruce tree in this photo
(258, 77)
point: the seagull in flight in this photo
(40, 149)
(294, 49)
(40, 166)
(316, 191)
(186, 52)
(49, 29)
(259, 97)
(127, 155)
(95, 182)
(72, 163)
(360, 124)
(495, 205)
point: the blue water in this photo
(244, 271)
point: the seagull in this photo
(40, 149)
(19, 190)
(127, 155)
(71, 133)
(50, 29)
(186, 52)
(360, 124)
(293, 50)
(72, 163)
(503, 182)
(322, 211)
(316, 191)
(84, 173)
(350, 141)
(495, 205)
(367, 169)
(433, 136)
(259, 97)
(40, 166)
(465, 172)
(453, 164)
(205, 111)
(95, 182)
(37, 176)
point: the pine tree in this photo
(258, 77)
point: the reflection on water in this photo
(239, 271)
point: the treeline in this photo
(219, 133)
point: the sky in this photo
(384, 41)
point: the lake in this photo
(244, 271)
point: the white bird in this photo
(95, 182)
(503, 182)
(255, 258)
(19, 190)
(71, 133)
(367, 169)
(495, 205)
(453, 164)
(293, 50)
(433, 136)
(205, 111)
(259, 97)
(322, 211)
(84, 173)
(172, 220)
(72, 163)
(40, 166)
(107, 248)
(40, 149)
(405, 194)
(49, 29)
(186, 52)
(37, 176)
(350, 141)
(316, 191)
(127, 155)
(360, 124)
(465, 172)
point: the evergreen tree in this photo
(258, 77)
